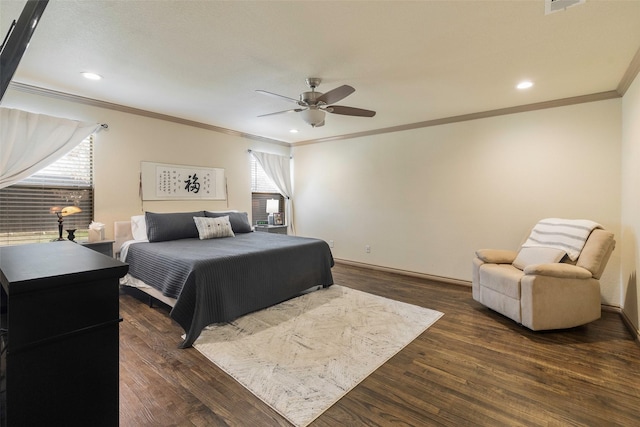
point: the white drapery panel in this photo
(30, 142)
(278, 168)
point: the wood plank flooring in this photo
(474, 367)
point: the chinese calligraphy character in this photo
(192, 184)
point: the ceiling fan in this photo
(313, 105)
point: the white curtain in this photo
(278, 168)
(30, 142)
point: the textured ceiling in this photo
(409, 61)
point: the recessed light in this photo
(91, 76)
(524, 85)
(293, 131)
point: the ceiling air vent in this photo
(551, 6)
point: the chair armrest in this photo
(560, 270)
(496, 256)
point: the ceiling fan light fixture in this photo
(313, 105)
(312, 116)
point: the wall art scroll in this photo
(161, 181)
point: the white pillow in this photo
(139, 227)
(213, 228)
(537, 255)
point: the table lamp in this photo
(272, 207)
(60, 212)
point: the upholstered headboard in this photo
(122, 233)
(168, 224)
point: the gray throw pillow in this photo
(171, 226)
(239, 220)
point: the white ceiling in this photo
(409, 61)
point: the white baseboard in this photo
(405, 272)
(625, 319)
(605, 307)
(630, 326)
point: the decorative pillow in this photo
(239, 220)
(213, 228)
(537, 255)
(171, 226)
(138, 227)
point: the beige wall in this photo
(426, 199)
(131, 139)
(630, 298)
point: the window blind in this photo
(262, 189)
(260, 182)
(25, 207)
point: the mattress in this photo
(218, 280)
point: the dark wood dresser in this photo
(60, 320)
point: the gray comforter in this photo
(218, 280)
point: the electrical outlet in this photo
(367, 249)
(330, 243)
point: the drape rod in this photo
(250, 150)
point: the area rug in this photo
(303, 355)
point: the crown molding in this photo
(601, 96)
(632, 72)
(629, 75)
(22, 87)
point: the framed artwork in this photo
(277, 219)
(160, 181)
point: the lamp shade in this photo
(312, 116)
(68, 210)
(273, 206)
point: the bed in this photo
(210, 280)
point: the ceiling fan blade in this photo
(336, 94)
(350, 111)
(286, 98)
(295, 110)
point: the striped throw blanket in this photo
(568, 235)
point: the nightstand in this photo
(105, 247)
(277, 229)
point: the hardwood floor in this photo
(473, 367)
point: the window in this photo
(25, 207)
(262, 189)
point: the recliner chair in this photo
(543, 296)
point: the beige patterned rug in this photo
(303, 355)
